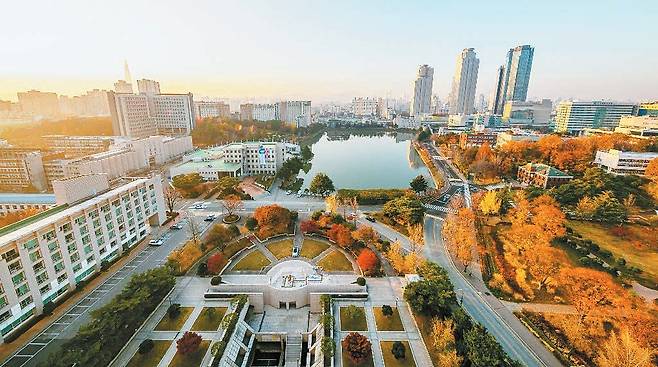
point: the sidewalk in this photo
(8, 349)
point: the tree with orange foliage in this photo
(309, 226)
(366, 234)
(652, 170)
(14, 217)
(215, 263)
(357, 347)
(548, 146)
(232, 203)
(341, 235)
(544, 264)
(272, 220)
(484, 153)
(368, 261)
(591, 292)
(621, 350)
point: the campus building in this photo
(476, 139)
(574, 116)
(237, 159)
(644, 126)
(621, 163)
(76, 146)
(515, 135)
(22, 169)
(15, 202)
(529, 114)
(541, 175)
(125, 156)
(44, 257)
(205, 109)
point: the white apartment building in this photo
(296, 112)
(621, 163)
(462, 96)
(22, 168)
(365, 106)
(44, 257)
(15, 202)
(265, 111)
(404, 122)
(122, 86)
(638, 126)
(130, 115)
(532, 114)
(147, 86)
(574, 116)
(144, 115)
(39, 104)
(421, 102)
(92, 103)
(205, 109)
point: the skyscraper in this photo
(421, 101)
(496, 101)
(462, 96)
(513, 77)
(517, 72)
(147, 86)
(126, 73)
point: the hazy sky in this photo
(326, 50)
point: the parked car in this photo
(199, 205)
(288, 192)
(156, 242)
(370, 219)
(295, 252)
(176, 226)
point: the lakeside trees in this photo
(321, 185)
(405, 210)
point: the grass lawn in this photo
(312, 248)
(389, 359)
(347, 363)
(190, 360)
(153, 357)
(639, 247)
(253, 261)
(208, 322)
(169, 324)
(335, 261)
(388, 323)
(353, 322)
(281, 249)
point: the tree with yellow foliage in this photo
(416, 237)
(621, 350)
(443, 340)
(459, 234)
(490, 203)
(332, 203)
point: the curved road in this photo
(513, 336)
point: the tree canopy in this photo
(321, 185)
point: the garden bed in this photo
(152, 357)
(281, 249)
(174, 324)
(312, 248)
(391, 361)
(193, 359)
(253, 261)
(335, 261)
(388, 323)
(353, 321)
(207, 321)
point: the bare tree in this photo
(232, 203)
(172, 196)
(354, 203)
(193, 226)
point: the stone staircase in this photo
(293, 350)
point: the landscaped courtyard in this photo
(281, 249)
(353, 318)
(335, 261)
(388, 322)
(253, 261)
(312, 248)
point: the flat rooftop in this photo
(19, 198)
(216, 164)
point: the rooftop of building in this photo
(622, 153)
(216, 164)
(31, 224)
(545, 169)
(21, 198)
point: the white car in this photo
(295, 252)
(288, 192)
(156, 242)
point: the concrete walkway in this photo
(647, 293)
(540, 307)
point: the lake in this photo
(365, 161)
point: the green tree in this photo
(418, 184)
(387, 310)
(424, 135)
(406, 210)
(307, 154)
(321, 185)
(431, 297)
(398, 350)
(482, 348)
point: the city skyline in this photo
(332, 52)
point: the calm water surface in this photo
(384, 160)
